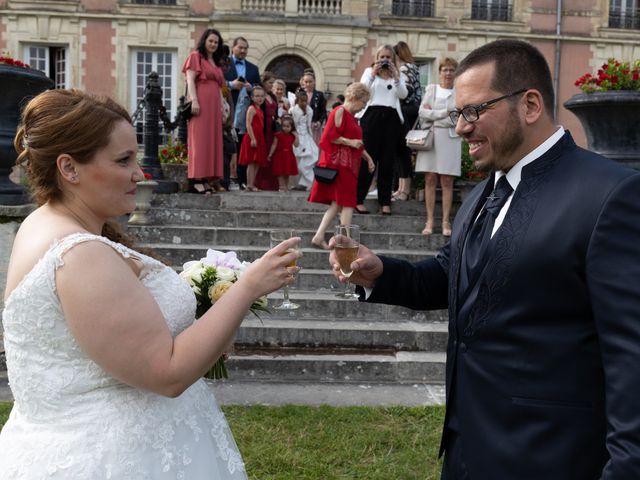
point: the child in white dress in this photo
(307, 151)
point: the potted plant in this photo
(469, 176)
(18, 84)
(609, 110)
(174, 162)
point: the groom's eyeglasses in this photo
(471, 113)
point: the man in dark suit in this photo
(241, 74)
(542, 281)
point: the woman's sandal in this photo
(446, 229)
(400, 197)
(428, 229)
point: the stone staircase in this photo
(328, 339)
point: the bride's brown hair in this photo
(65, 121)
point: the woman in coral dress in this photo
(204, 82)
(341, 148)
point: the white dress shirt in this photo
(514, 175)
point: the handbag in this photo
(325, 174)
(184, 110)
(420, 139)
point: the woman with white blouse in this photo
(381, 123)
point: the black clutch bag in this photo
(185, 111)
(325, 174)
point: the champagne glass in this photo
(277, 237)
(347, 239)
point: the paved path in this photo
(254, 393)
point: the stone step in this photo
(259, 236)
(323, 303)
(398, 367)
(312, 257)
(317, 333)
(282, 219)
(274, 202)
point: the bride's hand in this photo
(272, 271)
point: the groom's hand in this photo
(366, 268)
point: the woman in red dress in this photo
(204, 131)
(253, 151)
(342, 149)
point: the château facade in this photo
(110, 46)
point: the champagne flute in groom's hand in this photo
(347, 243)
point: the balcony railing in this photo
(413, 8)
(481, 10)
(269, 6)
(303, 7)
(320, 7)
(624, 18)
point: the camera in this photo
(384, 64)
(241, 79)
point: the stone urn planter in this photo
(18, 85)
(610, 121)
(144, 193)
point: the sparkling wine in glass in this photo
(277, 237)
(347, 239)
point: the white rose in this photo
(225, 273)
(192, 272)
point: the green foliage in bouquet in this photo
(209, 279)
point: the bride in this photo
(104, 359)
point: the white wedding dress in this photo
(71, 420)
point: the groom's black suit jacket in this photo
(543, 359)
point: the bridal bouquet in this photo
(209, 279)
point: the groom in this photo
(542, 281)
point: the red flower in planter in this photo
(12, 61)
(148, 176)
(613, 75)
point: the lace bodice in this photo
(71, 419)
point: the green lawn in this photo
(326, 443)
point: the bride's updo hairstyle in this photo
(65, 121)
(62, 121)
